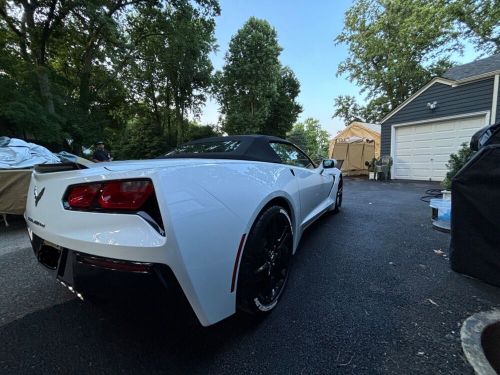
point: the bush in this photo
(456, 162)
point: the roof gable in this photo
(411, 98)
(458, 75)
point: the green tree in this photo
(197, 131)
(310, 137)
(284, 108)
(348, 109)
(31, 27)
(66, 67)
(395, 47)
(455, 163)
(479, 21)
(171, 71)
(141, 138)
(256, 94)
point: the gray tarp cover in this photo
(17, 154)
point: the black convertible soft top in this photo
(240, 147)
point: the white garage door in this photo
(422, 151)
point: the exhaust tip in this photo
(49, 256)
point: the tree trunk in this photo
(45, 89)
(84, 90)
(169, 125)
(169, 115)
(180, 121)
(156, 110)
(179, 111)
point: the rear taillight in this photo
(82, 196)
(120, 195)
(125, 195)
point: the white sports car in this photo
(219, 217)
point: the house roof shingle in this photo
(473, 69)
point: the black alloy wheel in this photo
(338, 197)
(266, 262)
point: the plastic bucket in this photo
(443, 207)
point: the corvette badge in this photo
(38, 195)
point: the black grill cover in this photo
(475, 216)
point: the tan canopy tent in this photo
(357, 143)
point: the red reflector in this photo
(125, 195)
(83, 195)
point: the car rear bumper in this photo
(90, 275)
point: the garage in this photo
(422, 132)
(422, 151)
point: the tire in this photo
(266, 262)
(338, 197)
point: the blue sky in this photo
(306, 31)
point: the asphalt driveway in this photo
(371, 291)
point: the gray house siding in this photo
(385, 140)
(498, 106)
(451, 101)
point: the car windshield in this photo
(207, 147)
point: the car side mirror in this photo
(329, 163)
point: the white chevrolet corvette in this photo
(219, 217)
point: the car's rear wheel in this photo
(338, 197)
(266, 262)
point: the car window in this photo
(208, 147)
(291, 155)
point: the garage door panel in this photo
(443, 127)
(441, 171)
(440, 161)
(406, 130)
(420, 173)
(423, 129)
(420, 160)
(406, 145)
(465, 134)
(422, 151)
(446, 136)
(405, 154)
(445, 150)
(470, 123)
(421, 137)
(407, 138)
(422, 144)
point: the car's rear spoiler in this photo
(59, 167)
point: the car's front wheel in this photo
(266, 262)
(338, 196)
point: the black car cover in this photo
(475, 210)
